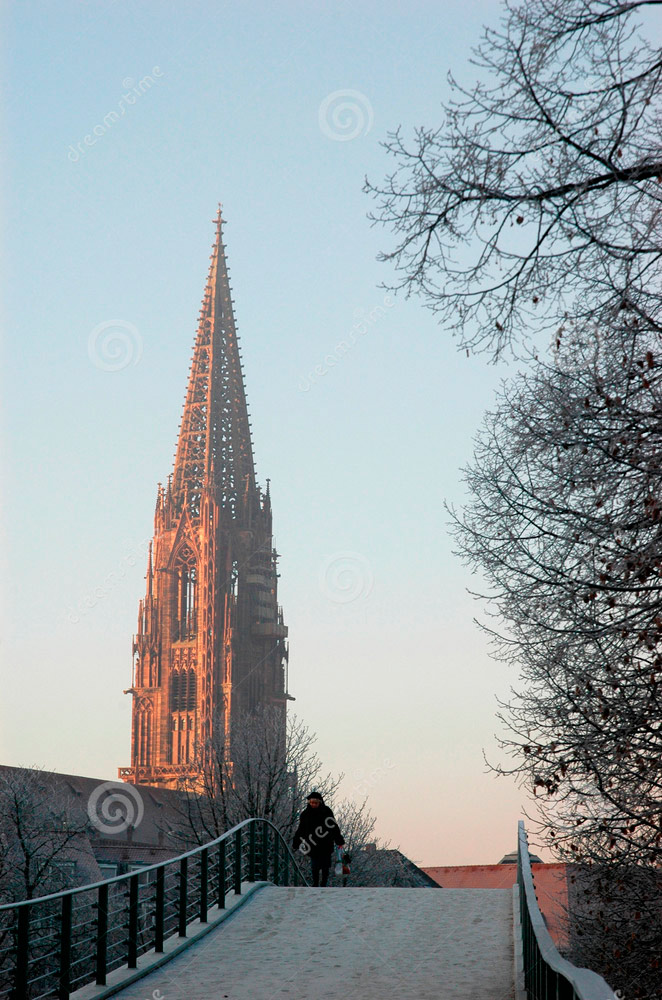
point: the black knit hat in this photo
(315, 795)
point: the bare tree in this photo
(565, 522)
(41, 834)
(373, 862)
(615, 917)
(44, 848)
(259, 775)
(536, 206)
(256, 775)
(539, 196)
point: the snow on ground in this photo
(349, 944)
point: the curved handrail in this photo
(160, 864)
(546, 972)
(57, 943)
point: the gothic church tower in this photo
(211, 639)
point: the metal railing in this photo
(53, 945)
(548, 976)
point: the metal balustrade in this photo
(548, 976)
(53, 945)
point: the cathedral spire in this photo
(211, 640)
(214, 450)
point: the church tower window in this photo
(186, 609)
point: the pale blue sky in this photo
(396, 682)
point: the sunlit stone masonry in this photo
(211, 639)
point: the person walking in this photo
(316, 834)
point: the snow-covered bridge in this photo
(235, 919)
(296, 943)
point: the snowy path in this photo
(349, 944)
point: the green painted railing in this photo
(53, 945)
(548, 976)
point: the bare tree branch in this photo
(537, 198)
(564, 522)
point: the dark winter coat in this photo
(318, 830)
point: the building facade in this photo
(210, 643)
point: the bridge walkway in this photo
(348, 944)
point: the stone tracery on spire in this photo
(214, 448)
(210, 644)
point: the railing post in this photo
(237, 862)
(251, 852)
(527, 952)
(132, 956)
(183, 893)
(159, 910)
(65, 948)
(22, 953)
(276, 857)
(221, 875)
(286, 874)
(102, 934)
(204, 868)
(264, 872)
